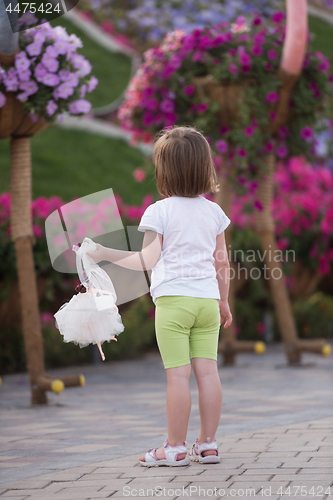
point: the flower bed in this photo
(150, 20)
(49, 76)
(241, 57)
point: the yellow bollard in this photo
(259, 347)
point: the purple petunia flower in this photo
(257, 21)
(246, 68)
(249, 130)
(50, 63)
(201, 108)
(306, 133)
(79, 106)
(51, 108)
(283, 132)
(272, 97)
(50, 79)
(39, 72)
(242, 152)
(269, 146)
(258, 39)
(268, 66)
(23, 97)
(223, 130)
(2, 99)
(282, 151)
(62, 47)
(222, 146)
(258, 205)
(324, 66)
(34, 49)
(21, 61)
(77, 60)
(83, 90)
(278, 17)
(92, 84)
(10, 80)
(51, 51)
(245, 59)
(63, 91)
(29, 87)
(189, 90)
(24, 74)
(167, 106)
(257, 50)
(233, 69)
(272, 55)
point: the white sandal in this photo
(171, 455)
(197, 456)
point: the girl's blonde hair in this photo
(183, 163)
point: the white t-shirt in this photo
(189, 227)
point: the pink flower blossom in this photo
(278, 17)
(306, 133)
(139, 174)
(221, 146)
(189, 90)
(272, 97)
(272, 55)
(281, 151)
(257, 50)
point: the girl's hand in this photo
(99, 254)
(225, 314)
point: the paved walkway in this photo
(275, 433)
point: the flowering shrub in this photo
(49, 76)
(163, 92)
(303, 212)
(151, 20)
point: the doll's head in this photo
(80, 288)
(183, 163)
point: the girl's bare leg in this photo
(178, 405)
(210, 398)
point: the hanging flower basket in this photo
(45, 78)
(15, 120)
(226, 81)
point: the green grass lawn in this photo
(112, 69)
(70, 163)
(323, 39)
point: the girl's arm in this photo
(137, 261)
(222, 267)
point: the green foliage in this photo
(314, 316)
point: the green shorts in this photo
(186, 326)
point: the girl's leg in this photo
(178, 403)
(178, 406)
(210, 397)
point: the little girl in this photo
(184, 245)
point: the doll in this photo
(91, 316)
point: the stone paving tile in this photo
(274, 432)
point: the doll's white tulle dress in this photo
(91, 317)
